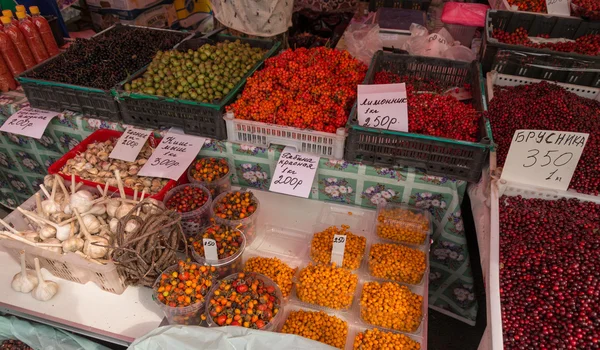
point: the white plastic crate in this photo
(68, 266)
(500, 188)
(323, 144)
(493, 78)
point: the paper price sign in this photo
(130, 144)
(174, 154)
(544, 158)
(28, 122)
(558, 7)
(294, 173)
(337, 252)
(210, 249)
(383, 106)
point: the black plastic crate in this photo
(203, 119)
(461, 160)
(55, 96)
(564, 67)
(422, 5)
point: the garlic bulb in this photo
(151, 206)
(47, 232)
(31, 236)
(91, 223)
(45, 290)
(112, 206)
(123, 210)
(95, 247)
(72, 244)
(48, 180)
(98, 209)
(131, 226)
(81, 200)
(57, 249)
(25, 280)
(63, 232)
(113, 225)
(67, 209)
(50, 207)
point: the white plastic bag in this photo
(459, 53)
(362, 41)
(421, 43)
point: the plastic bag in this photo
(421, 43)
(459, 53)
(466, 14)
(39, 336)
(222, 338)
(362, 41)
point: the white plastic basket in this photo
(68, 266)
(493, 78)
(500, 188)
(323, 144)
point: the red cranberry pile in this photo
(585, 45)
(589, 9)
(434, 113)
(530, 5)
(550, 273)
(547, 106)
(14, 344)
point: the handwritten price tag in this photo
(130, 144)
(173, 155)
(337, 252)
(29, 122)
(558, 7)
(210, 249)
(383, 106)
(294, 173)
(544, 158)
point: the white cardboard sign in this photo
(383, 106)
(174, 154)
(28, 121)
(130, 144)
(558, 7)
(544, 158)
(294, 173)
(337, 251)
(210, 249)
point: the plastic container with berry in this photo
(237, 209)
(193, 202)
(212, 173)
(230, 245)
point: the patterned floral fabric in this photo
(23, 163)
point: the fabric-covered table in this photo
(24, 161)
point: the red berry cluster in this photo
(305, 88)
(187, 199)
(549, 275)
(589, 9)
(585, 45)
(547, 106)
(530, 5)
(434, 113)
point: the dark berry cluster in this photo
(585, 45)
(104, 61)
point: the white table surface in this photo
(86, 309)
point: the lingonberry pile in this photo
(547, 106)
(108, 59)
(433, 113)
(304, 88)
(589, 9)
(549, 275)
(585, 45)
(530, 5)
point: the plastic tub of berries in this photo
(506, 50)
(271, 315)
(230, 245)
(179, 306)
(193, 202)
(446, 155)
(212, 173)
(244, 217)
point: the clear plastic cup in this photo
(226, 266)
(184, 315)
(216, 187)
(272, 325)
(247, 225)
(192, 221)
(401, 223)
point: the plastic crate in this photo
(461, 160)
(493, 280)
(321, 143)
(571, 68)
(68, 266)
(55, 96)
(103, 135)
(422, 5)
(203, 119)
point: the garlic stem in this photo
(82, 227)
(73, 184)
(120, 183)
(62, 231)
(24, 281)
(62, 186)
(16, 237)
(53, 193)
(45, 290)
(105, 193)
(38, 204)
(43, 188)
(8, 227)
(135, 192)
(78, 186)
(137, 213)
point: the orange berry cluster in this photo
(322, 243)
(374, 339)
(228, 240)
(326, 285)
(186, 286)
(402, 225)
(304, 88)
(275, 269)
(317, 325)
(235, 205)
(391, 305)
(397, 263)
